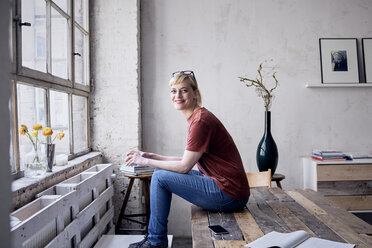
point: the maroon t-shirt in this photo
(221, 160)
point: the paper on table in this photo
(298, 239)
(317, 242)
(276, 239)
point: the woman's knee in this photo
(159, 175)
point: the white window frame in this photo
(46, 80)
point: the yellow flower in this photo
(47, 131)
(34, 133)
(60, 135)
(23, 129)
(37, 127)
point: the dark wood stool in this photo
(146, 192)
(277, 178)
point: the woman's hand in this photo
(136, 157)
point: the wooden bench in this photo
(275, 210)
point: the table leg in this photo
(123, 206)
(146, 189)
(278, 184)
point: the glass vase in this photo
(34, 163)
(48, 155)
(267, 152)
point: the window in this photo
(31, 109)
(34, 41)
(80, 123)
(59, 119)
(51, 74)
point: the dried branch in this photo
(261, 89)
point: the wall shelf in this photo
(340, 85)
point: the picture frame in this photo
(367, 59)
(339, 60)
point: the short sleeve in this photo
(199, 137)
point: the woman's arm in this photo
(160, 157)
(184, 165)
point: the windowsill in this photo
(25, 189)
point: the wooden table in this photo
(282, 211)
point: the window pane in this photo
(59, 118)
(59, 45)
(80, 58)
(80, 13)
(34, 36)
(31, 110)
(79, 106)
(63, 4)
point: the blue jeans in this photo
(193, 187)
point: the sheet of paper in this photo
(317, 242)
(282, 240)
(298, 239)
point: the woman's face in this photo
(183, 96)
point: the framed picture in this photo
(339, 60)
(367, 59)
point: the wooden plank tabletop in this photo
(282, 211)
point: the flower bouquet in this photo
(35, 161)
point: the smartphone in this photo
(217, 229)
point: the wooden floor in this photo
(182, 242)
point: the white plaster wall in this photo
(221, 40)
(115, 98)
(5, 68)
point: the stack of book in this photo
(136, 169)
(329, 155)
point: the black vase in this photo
(267, 152)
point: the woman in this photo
(219, 185)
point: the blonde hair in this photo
(191, 80)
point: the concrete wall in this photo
(221, 40)
(5, 194)
(115, 99)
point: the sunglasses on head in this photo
(187, 73)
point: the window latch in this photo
(78, 54)
(17, 19)
(25, 24)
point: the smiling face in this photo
(183, 97)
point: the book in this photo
(298, 239)
(138, 173)
(328, 158)
(362, 157)
(136, 170)
(327, 152)
(330, 155)
(359, 155)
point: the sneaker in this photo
(146, 244)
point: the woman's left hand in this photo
(135, 157)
